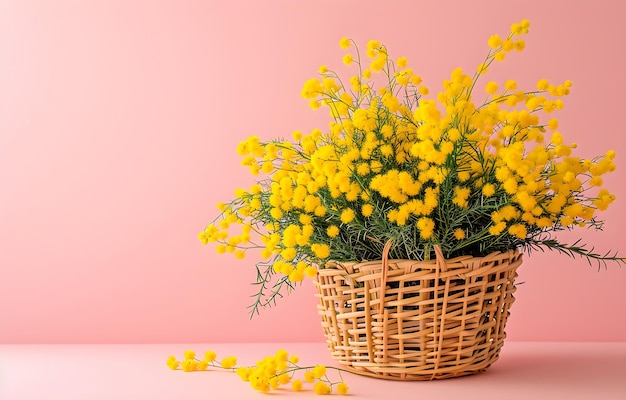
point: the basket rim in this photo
(505, 254)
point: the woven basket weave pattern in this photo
(417, 320)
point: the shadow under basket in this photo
(417, 320)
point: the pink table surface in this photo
(525, 370)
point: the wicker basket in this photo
(417, 320)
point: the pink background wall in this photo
(118, 126)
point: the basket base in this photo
(408, 376)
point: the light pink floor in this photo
(525, 370)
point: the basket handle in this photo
(441, 261)
(441, 267)
(383, 278)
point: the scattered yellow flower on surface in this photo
(210, 356)
(321, 388)
(267, 374)
(309, 376)
(296, 385)
(319, 371)
(229, 362)
(172, 362)
(342, 388)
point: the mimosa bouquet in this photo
(475, 168)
